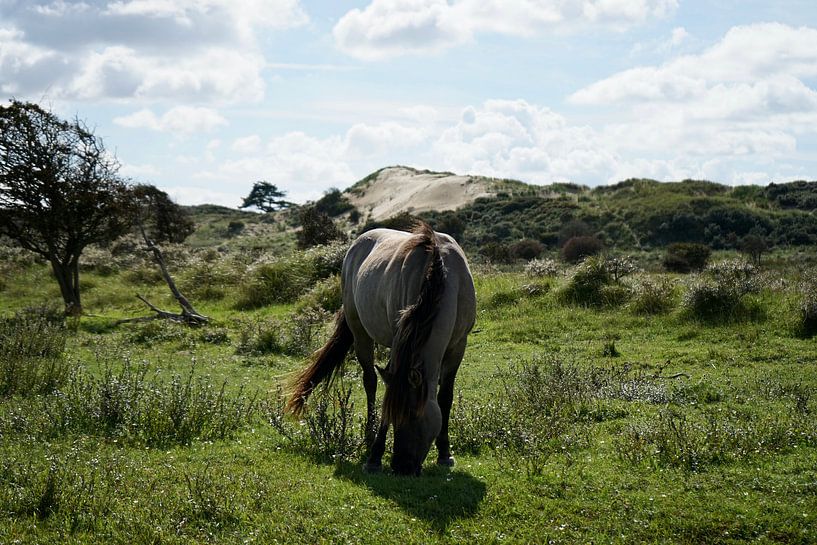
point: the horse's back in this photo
(383, 272)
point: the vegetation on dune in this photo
(664, 396)
(591, 396)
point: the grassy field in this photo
(591, 421)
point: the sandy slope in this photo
(398, 189)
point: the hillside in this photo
(636, 213)
(394, 190)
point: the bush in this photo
(496, 252)
(653, 295)
(298, 335)
(593, 285)
(538, 268)
(807, 310)
(684, 257)
(317, 228)
(31, 352)
(333, 432)
(578, 248)
(325, 295)
(286, 279)
(718, 293)
(526, 249)
(235, 228)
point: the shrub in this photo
(684, 257)
(578, 248)
(592, 284)
(285, 279)
(325, 295)
(807, 310)
(234, 228)
(538, 268)
(496, 252)
(276, 282)
(754, 247)
(317, 228)
(526, 249)
(298, 335)
(333, 432)
(31, 352)
(654, 295)
(718, 293)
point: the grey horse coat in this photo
(412, 292)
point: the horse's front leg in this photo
(375, 461)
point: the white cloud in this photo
(745, 55)
(300, 164)
(204, 50)
(522, 140)
(247, 144)
(387, 28)
(744, 97)
(180, 120)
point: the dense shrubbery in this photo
(643, 213)
(807, 309)
(285, 279)
(718, 293)
(592, 284)
(578, 248)
(684, 257)
(653, 295)
(538, 268)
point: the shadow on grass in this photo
(440, 496)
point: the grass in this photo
(697, 431)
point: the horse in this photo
(413, 292)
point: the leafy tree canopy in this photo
(59, 190)
(163, 219)
(266, 197)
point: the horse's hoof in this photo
(446, 462)
(372, 468)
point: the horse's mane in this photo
(406, 394)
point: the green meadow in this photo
(649, 408)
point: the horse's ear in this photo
(385, 374)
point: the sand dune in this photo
(399, 189)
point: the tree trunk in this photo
(67, 276)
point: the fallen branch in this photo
(188, 315)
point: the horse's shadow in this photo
(440, 496)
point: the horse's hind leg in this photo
(445, 397)
(364, 350)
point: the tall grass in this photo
(32, 343)
(129, 402)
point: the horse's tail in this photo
(325, 363)
(406, 394)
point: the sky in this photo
(204, 97)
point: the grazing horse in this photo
(414, 293)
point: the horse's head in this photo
(413, 438)
(416, 417)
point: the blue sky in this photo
(204, 97)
